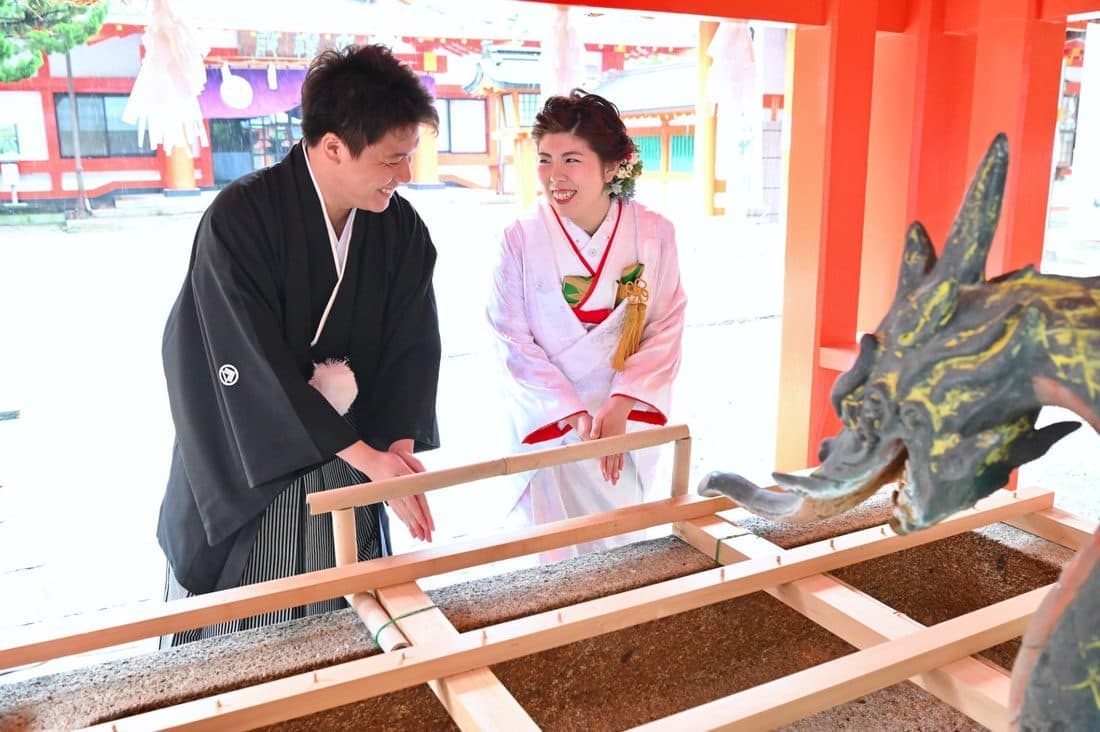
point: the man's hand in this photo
(413, 511)
(610, 421)
(397, 461)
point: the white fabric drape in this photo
(165, 97)
(732, 85)
(562, 57)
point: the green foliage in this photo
(30, 27)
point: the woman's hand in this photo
(395, 462)
(581, 424)
(610, 421)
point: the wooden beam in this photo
(303, 694)
(826, 685)
(476, 700)
(378, 622)
(681, 467)
(1058, 526)
(1061, 9)
(974, 686)
(130, 624)
(365, 494)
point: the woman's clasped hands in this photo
(609, 421)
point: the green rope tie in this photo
(718, 543)
(395, 618)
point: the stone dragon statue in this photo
(943, 399)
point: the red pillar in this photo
(831, 105)
(179, 173)
(1016, 86)
(920, 120)
(961, 71)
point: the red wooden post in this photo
(1016, 84)
(830, 110)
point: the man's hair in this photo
(591, 118)
(359, 94)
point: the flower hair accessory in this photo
(622, 185)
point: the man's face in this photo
(368, 181)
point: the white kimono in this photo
(557, 366)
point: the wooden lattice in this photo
(427, 648)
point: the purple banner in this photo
(265, 100)
(216, 104)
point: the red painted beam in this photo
(893, 16)
(1017, 78)
(960, 16)
(1060, 9)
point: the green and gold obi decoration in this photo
(575, 287)
(630, 287)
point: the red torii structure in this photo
(892, 103)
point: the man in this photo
(302, 353)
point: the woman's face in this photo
(574, 179)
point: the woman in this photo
(588, 308)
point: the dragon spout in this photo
(944, 395)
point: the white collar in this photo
(339, 246)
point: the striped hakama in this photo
(290, 541)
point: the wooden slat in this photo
(476, 700)
(971, 685)
(1058, 526)
(344, 683)
(681, 467)
(838, 358)
(88, 633)
(826, 685)
(367, 493)
(346, 548)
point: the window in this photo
(463, 126)
(239, 146)
(528, 109)
(102, 131)
(9, 139)
(649, 150)
(527, 104)
(683, 153)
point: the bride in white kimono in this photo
(588, 309)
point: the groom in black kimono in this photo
(303, 351)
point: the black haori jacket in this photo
(237, 358)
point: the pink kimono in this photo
(559, 366)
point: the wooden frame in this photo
(893, 648)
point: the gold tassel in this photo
(633, 324)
